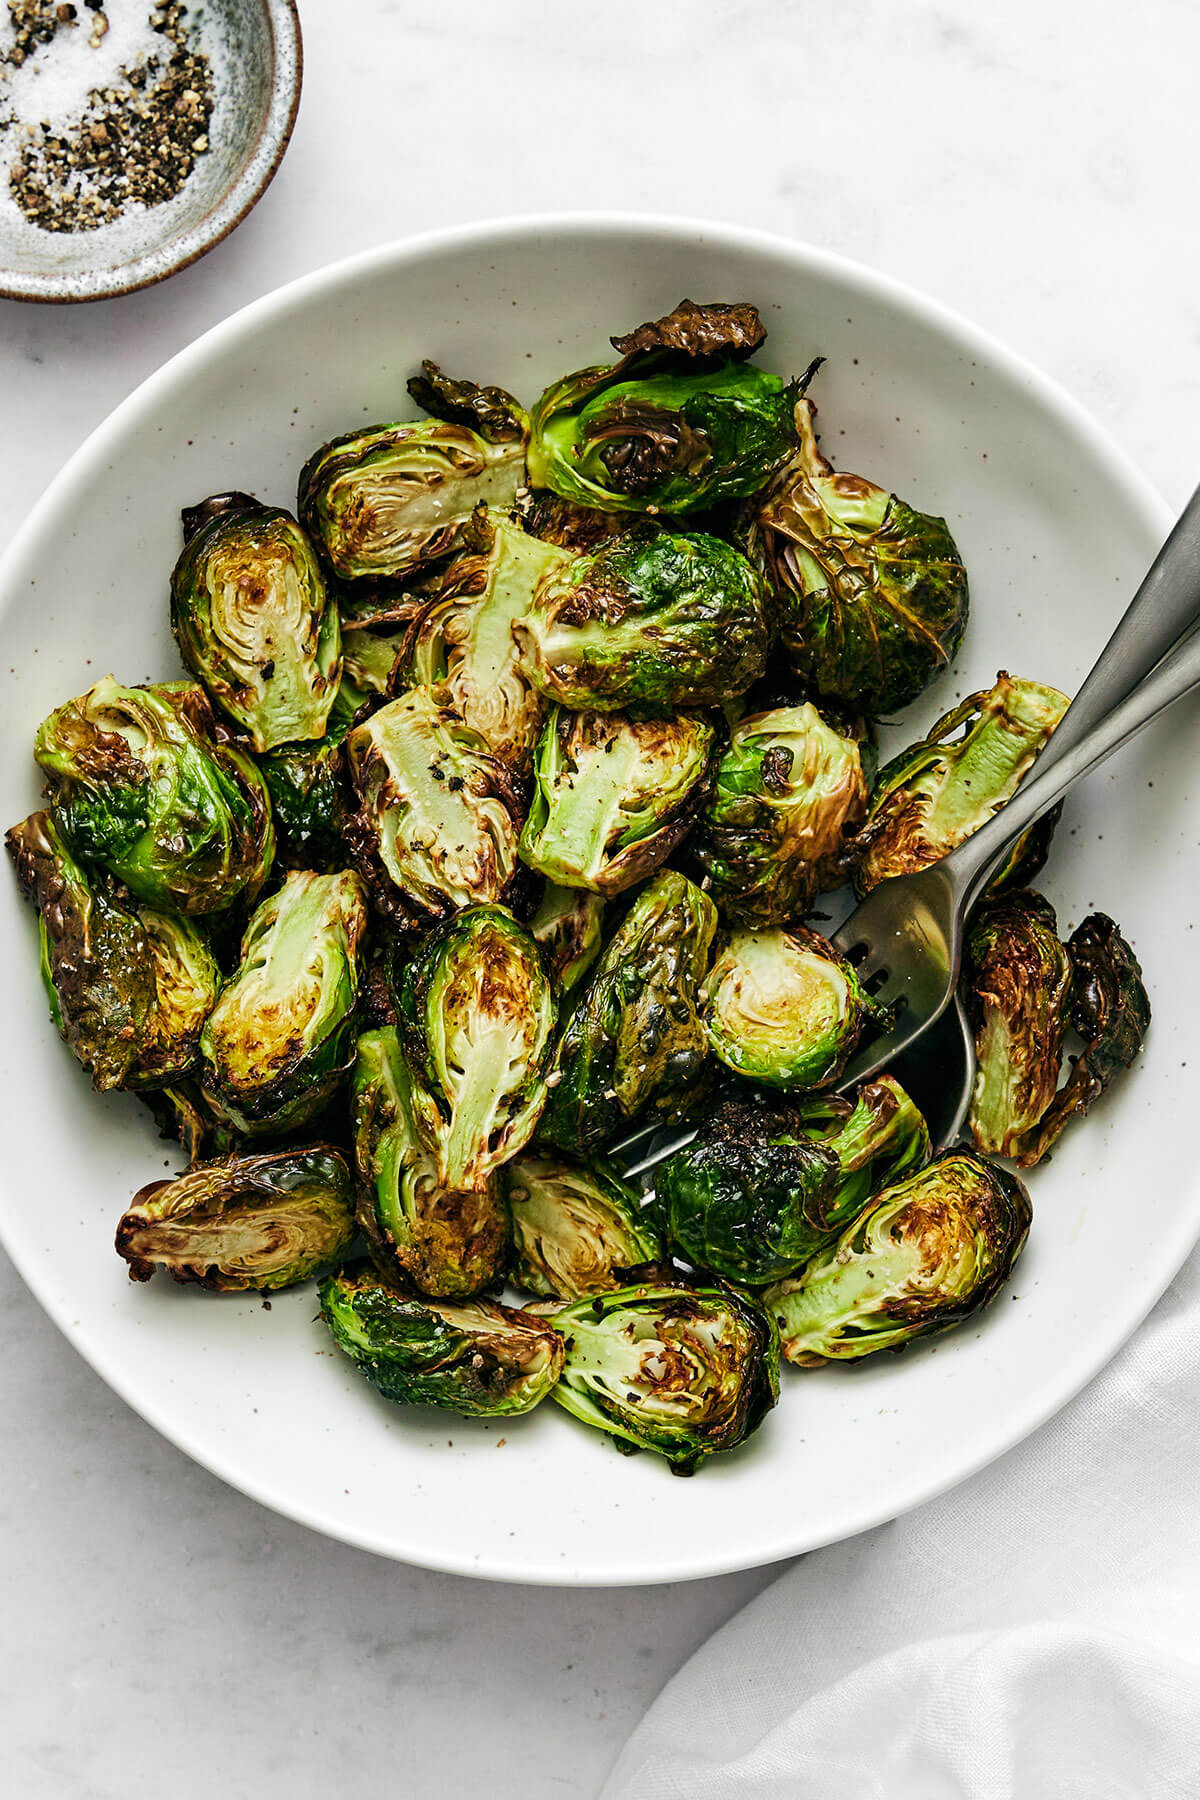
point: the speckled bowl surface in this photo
(254, 48)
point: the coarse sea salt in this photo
(53, 84)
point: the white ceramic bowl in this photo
(1056, 528)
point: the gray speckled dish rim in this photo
(287, 73)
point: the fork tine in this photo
(660, 1155)
(634, 1143)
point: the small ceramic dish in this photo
(254, 51)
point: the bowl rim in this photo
(282, 20)
(1063, 1382)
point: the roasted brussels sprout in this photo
(476, 1014)
(257, 1221)
(368, 661)
(931, 797)
(138, 785)
(437, 816)
(761, 1189)
(679, 1370)
(614, 795)
(306, 801)
(635, 1034)
(576, 1230)
(253, 623)
(129, 987)
(444, 1242)
(649, 622)
(789, 791)
(871, 594)
(783, 1007)
(679, 423)
(1018, 984)
(462, 644)
(473, 1357)
(185, 1116)
(280, 1037)
(926, 1254)
(567, 928)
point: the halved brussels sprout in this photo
(649, 622)
(444, 1242)
(462, 644)
(279, 1039)
(1018, 985)
(567, 927)
(254, 624)
(783, 1007)
(614, 795)
(258, 1221)
(789, 791)
(872, 595)
(438, 816)
(635, 1035)
(576, 1229)
(682, 1371)
(476, 1014)
(679, 423)
(925, 1255)
(474, 1357)
(761, 1189)
(369, 659)
(138, 785)
(129, 987)
(934, 795)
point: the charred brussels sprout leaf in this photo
(253, 623)
(614, 795)
(784, 1008)
(557, 521)
(649, 622)
(129, 987)
(1019, 985)
(762, 1189)
(462, 645)
(185, 1115)
(871, 594)
(436, 818)
(442, 1241)
(682, 1371)
(476, 1014)
(635, 1035)
(576, 1229)
(138, 785)
(679, 423)
(933, 796)
(306, 802)
(381, 502)
(473, 1357)
(925, 1255)
(491, 411)
(567, 928)
(789, 791)
(279, 1039)
(265, 1222)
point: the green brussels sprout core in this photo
(682, 1371)
(784, 1008)
(265, 1221)
(789, 791)
(438, 817)
(476, 1014)
(567, 928)
(614, 795)
(443, 1242)
(576, 1229)
(382, 502)
(252, 621)
(872, 594)
(279, 1038)
(926, 1254)
(138, 785)
(473, 1357)
(933, 796)
(1019, 997)
(649, 622)
(634, 1037)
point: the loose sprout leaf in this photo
(491, 411)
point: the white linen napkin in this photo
(1034, 1633)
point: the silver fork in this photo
(906, 936)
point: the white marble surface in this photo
(1032, 166)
